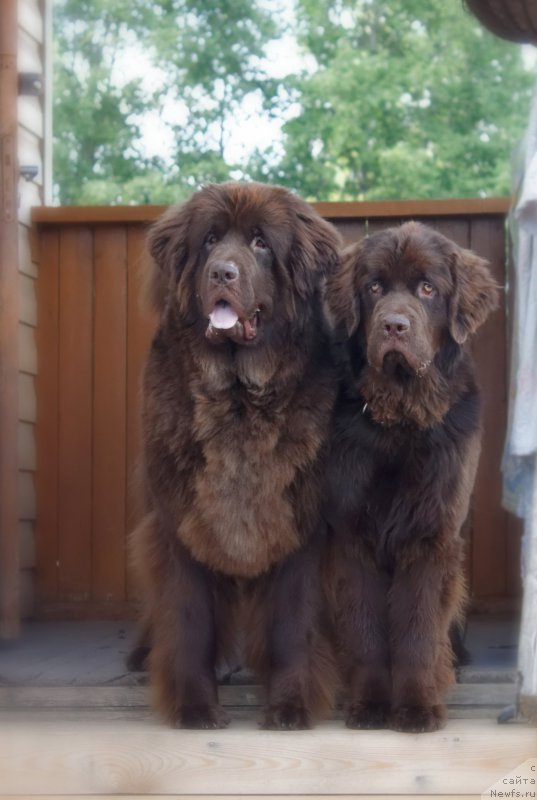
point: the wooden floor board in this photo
(236, 714)
(93, 653)
(74, 723)
(88, 756)
(17, 697)
(65, 653)
(243, 797)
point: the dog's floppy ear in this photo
(342, 301)
(168, 247)
(475, 294)
(314, 253)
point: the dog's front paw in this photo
(418, 719)
(287, 716)
(367, 716)
(202, 717)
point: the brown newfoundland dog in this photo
(404, 456)
(238, 391)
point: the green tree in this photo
(209, 58)
(409, 99)
(399, 98)
(95, 127)
(214, 50)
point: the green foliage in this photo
(209, 57)
(400, 98)
(410, 99)
(95, 127)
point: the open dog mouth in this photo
(225, 321)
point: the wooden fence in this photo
(92, 338)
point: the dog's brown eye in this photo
(375, 287)
(260, 243)
(426, 289)
(210, 238)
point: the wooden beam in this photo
(247, 698)
(9, 323)
(415, 208)
(44, 215)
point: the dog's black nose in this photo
(224, 272)
(396, 324)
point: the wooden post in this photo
(9, 324)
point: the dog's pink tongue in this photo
(222, 316)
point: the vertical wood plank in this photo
(352, 230)
(46, 383)
(140, 327)
(9, 323)
(75, 413)
(457, 229)
(109, 426)
(374, 225)
(490, 533)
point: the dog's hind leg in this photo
(183, 632)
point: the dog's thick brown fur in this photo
(237, 397)
(404, 455)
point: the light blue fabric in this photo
(520, 453)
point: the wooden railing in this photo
(92, 339)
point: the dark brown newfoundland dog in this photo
(405, 451)
(238, 392)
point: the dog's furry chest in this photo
(415, 493)
(241, 519)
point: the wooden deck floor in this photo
(73, 722)
(93, 653)
(102, 755)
